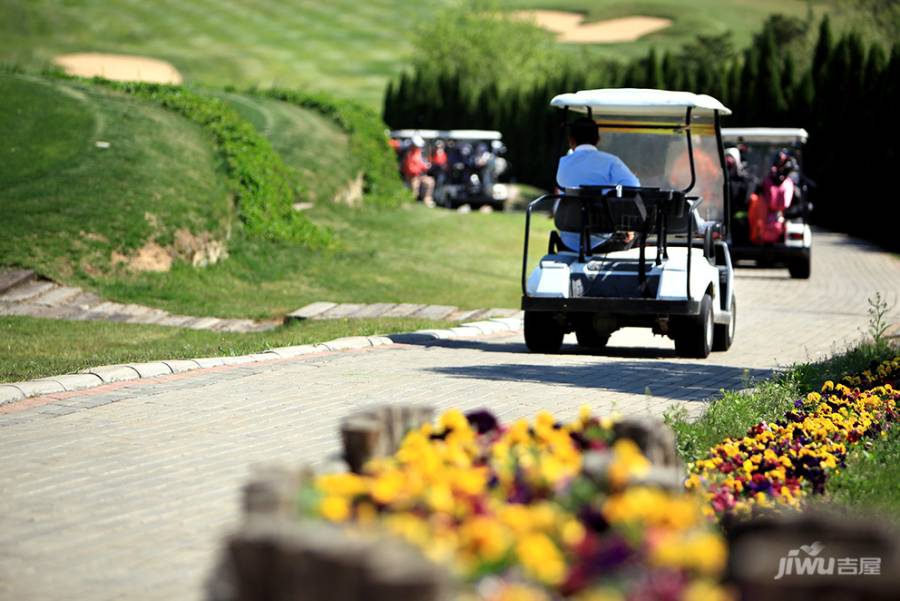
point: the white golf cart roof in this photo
(765, 134)
(448, 134)
(639, 102)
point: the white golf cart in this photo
(663, 262)
(759, 233)
(474, 165)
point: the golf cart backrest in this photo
(637, 209)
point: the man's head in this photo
(583, 131)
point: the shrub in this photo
(255, 171)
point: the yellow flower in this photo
(387, 487)
(541, 559)
(516, 592)
(453, 420)
(335, 509)
(572, 532)
(704, 552)
(485, 537)
(341, 484)
(705, 590)
(628, 461)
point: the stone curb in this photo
(107, 374)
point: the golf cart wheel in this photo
(543, 334)
(694, 337)
(724, 333)
(588, 337)
(800, 268)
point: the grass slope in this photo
(67, 204)
(313, 147)
(80, 203)
(33, 348)
(346, 47)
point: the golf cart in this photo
(770, 228)
(663, 262)
(474, 163)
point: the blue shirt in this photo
(588, 166)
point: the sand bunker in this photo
(570, 27)
(119, 67)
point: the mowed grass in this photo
(33, 348)
(414, 255)
(345, 47)
(313, 147)
(689, 19)
(68, 204)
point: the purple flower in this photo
(482, 420)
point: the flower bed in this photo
(783, 463)
(515, 512)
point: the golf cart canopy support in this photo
(774, 135)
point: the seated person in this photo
(415, 170)
(586, 165)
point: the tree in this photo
(770, 96)
(824, 48)
(788, 80)
(654, 76)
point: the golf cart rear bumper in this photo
(612, 306)
(774, 252)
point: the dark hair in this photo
(584, 131)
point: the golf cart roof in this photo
(448, 134)
(639, 102)
(765, 134)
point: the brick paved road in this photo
(123, 491)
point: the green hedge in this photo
(370, 152)
(256, 173)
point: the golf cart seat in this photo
(615, 211)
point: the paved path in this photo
(123, 491)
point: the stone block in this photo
(309, 311)
(113, 373)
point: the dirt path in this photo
(571, 28)
(119, 67)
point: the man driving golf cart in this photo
(676, 276)
(586, 165)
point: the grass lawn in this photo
(412, 254)
(707, 17)
(33, 348)
(67, 204)
(871, 479)
(345, 47)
